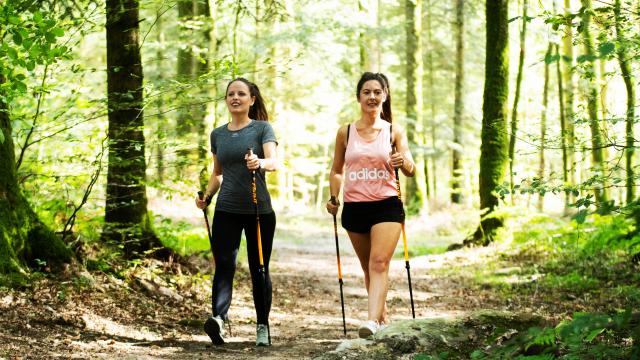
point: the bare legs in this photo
(374, 250)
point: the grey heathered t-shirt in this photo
(230, 148)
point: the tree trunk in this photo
(457, 171)
(161, 127)
(23, 238)
(430, 180)
(593, 98)
(494, 152)
(185, 73)
(568, 132)
(516, 99)
(362, 47)
(563, 129)
(126, 219)
(191, 63)
(629, 82)
(543, 124)
(415, 189)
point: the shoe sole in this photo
(212, 329)
(364, 332)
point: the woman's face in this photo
(239, 98)
(371, 96)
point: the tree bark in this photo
(516, 99)
(161, 126)
(494, 152)
(23, 237)
(543, 125)
(629, 82)
(568, 132)
(430, 176)
(457, 171)
(415, 186)
(127, 221)
(563, 129)
(593, 98)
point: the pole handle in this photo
(333, 199)
(200, 195)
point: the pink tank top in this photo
(368, 174)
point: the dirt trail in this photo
(111, 320)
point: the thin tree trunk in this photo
(629, 82)
(543, 124)
(378, 45)
(185, 72)
(569, 97)
(430, 181)
(415, 189)
(593, 98)
(213, 54)
(126, 219)
(161, 128)
(457, 171)
(516, 99)
(563, 129)
(494, 149)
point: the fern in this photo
(537, 357)
(542, 337)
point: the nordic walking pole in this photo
(206, 219)
(404, 242)
(261, 270)
(335, 231)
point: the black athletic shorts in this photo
(361, 216)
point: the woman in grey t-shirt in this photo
(235, 210)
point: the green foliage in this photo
(30, 38)
(182, 237)
(585, 335)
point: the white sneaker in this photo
(381, 326)
(367, 329)
(262, 335)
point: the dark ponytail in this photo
(257, 111)
(382, 79)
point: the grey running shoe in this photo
(367, 329)
(262, 335)
(214, 327)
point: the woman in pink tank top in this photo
(364, 163)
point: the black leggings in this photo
(227, 228)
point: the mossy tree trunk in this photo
(23, 237)
(126, 218)
(629, 82)
(456, 166)
(494, 155)
(593, 99)
(415, 186)
(516, 98)
(563, 126)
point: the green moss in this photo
(46, 246)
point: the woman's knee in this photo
(379, 264)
